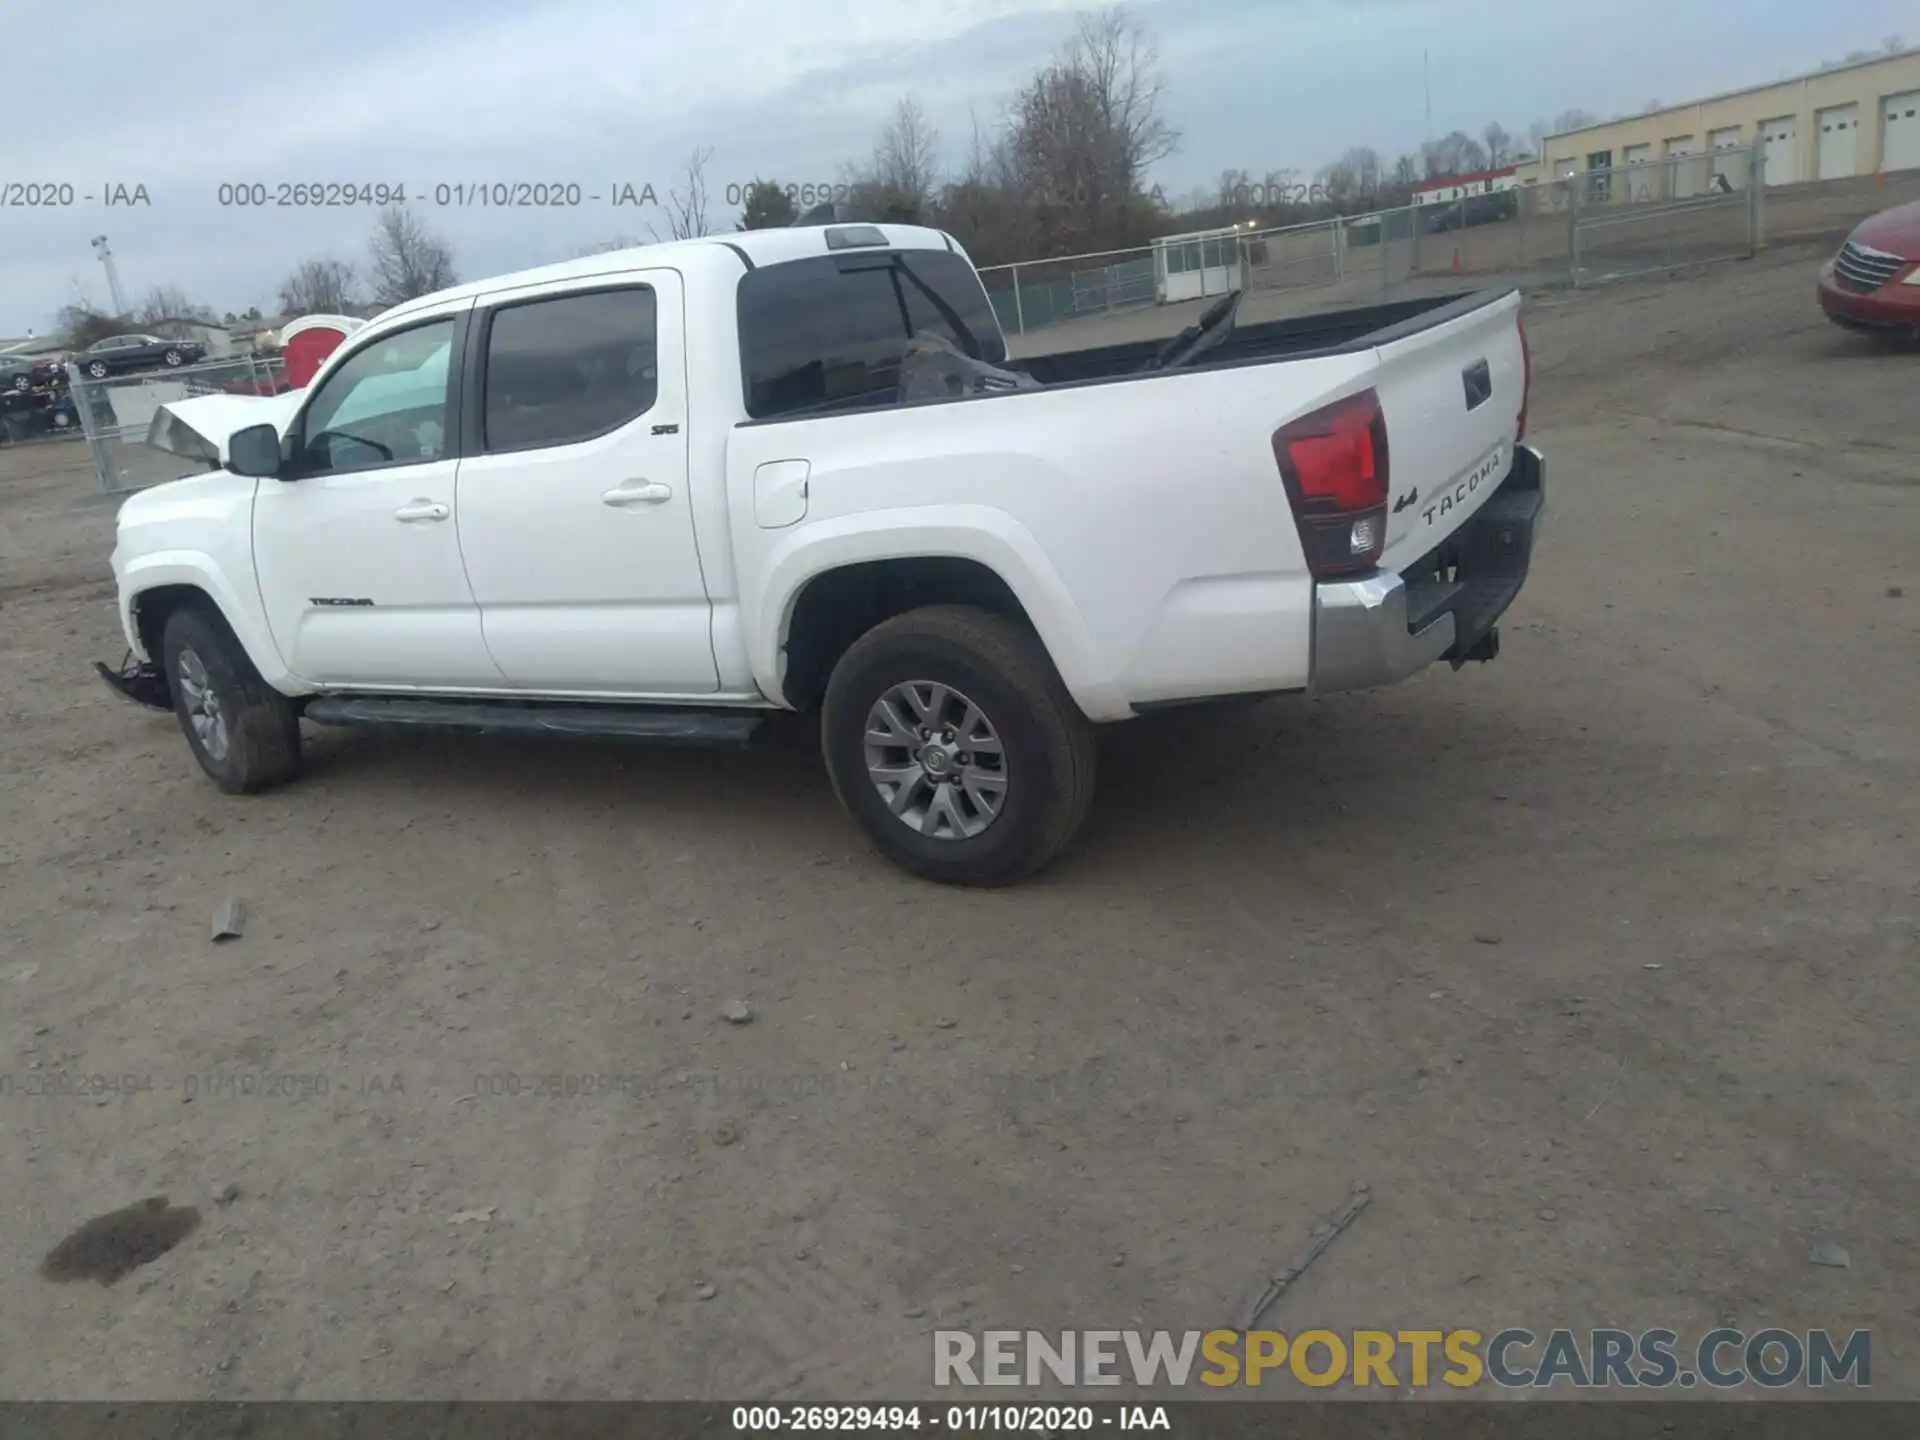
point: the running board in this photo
(656, 725)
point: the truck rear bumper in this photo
(1383, 627)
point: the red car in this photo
(1873, 284)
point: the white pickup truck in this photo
(664, 493)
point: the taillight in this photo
(1334, 463)
(1526, 377)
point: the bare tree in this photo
(1457, 154)
(170, 302)
(1083, 132)
(81, 324)
(984, 206)
(1364, 162)
(1499, 145)
(1894, 43)
(904, 161)
(1122, 63)
(1573, 120)
(407, 260)
(687, 201)
(323, 286)
(1406, 170)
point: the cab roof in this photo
(745, 249)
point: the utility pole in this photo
(113, 275)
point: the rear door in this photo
(575, 513)
(1451, 393)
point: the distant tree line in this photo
(1066, 171)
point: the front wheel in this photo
(244, 733)
(952, 741)
(97, 369)
(174, 359)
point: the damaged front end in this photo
(137, 680)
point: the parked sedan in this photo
(119, 354)
(28, 372)
(1873, 284)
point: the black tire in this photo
(1048, 744)
(262, 726)
(97, 369)
(173, 358)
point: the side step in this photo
(654, 725)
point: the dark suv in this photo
(118, 354)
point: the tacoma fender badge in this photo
(339, 600)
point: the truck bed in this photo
(1330, 333)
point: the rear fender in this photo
(978, 533)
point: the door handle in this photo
(422, 510)
(638, 492)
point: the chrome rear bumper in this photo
(1364, 631)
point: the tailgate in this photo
(1452, 390)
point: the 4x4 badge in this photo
(1412, 497)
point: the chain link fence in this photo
(1567, 231)
(1663, 214)
(115, 413)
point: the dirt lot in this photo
(1597, 963)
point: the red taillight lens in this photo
(1526, 377)
(1334, 463)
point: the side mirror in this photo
(255, 451)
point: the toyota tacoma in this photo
(665, 493)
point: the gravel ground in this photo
(1597, 963)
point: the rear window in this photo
(830, 331)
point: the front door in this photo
(357, 544)
(576, 517)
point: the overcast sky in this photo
(183, 95)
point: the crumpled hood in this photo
(199, 428)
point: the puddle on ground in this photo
(115, 1245)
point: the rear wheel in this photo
(244, 733)
(97, 369)
(951, 740)
(173, 358)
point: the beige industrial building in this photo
(1857, 119)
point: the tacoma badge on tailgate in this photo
(1486, 470)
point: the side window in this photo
(564, 370)
(385, 405)
(830, 331)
